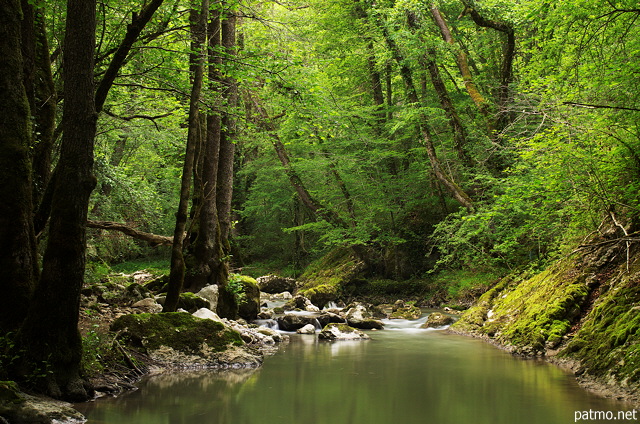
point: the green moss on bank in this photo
(178, 330)
(530, 315)
(608, 343)
(325, 279)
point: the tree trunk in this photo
(50, 331)
(177, 274)
(228, 133)
(461, 61)
(17, 240)
(45, 111)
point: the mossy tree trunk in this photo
(50, 333)
(177, 276)
(17, 240)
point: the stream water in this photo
(403, 375)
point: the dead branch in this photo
(153, 240)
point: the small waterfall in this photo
(269, 323)
(316, 324)
(331, 305)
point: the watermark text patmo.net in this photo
(592, 415)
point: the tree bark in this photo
(228, 132)
(461, 61)
(177, 273)
(17, 239)
(50, 331)
(506, 70)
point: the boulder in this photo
(298, 302)
(359, 316)
(341, 332)
(210, 293)
(181, 340)
(205, 313)
(276, 284)
(148, 305)
(248, 297)
(20, 408)
(437, 319)
(403, 311)
(291, 322)
(307, 329)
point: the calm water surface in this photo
(403, 375)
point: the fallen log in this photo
(153, 240)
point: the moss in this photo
(336, 269)
(321, 295)
(10, 393)
(531, 314)
(608, 344)
(179, 330)
(192, 302)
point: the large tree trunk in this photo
(50, 331)
(17, 240)
(228, 132)
(177, 274)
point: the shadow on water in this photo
(403, 375)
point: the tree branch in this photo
(154, 240)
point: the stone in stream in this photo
(359, 316)
(437, 319)
(341, 332)
(307, 329)
(276, 284)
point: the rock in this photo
(359, 316)
(297, 302)
(205, 313)
(403, 311)
(291, 322)
(179, 339)
(341, 332)
(322, 294)
(328, 317)
(265, 314)
(210, 293)
(142, 277)
(192, 302)
(437, 319)
(307, 329)
(277, 337)
(249, 298)
(19, 408)
(136, 292)
(148, 304)
(276, 284)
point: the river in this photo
(403, 375)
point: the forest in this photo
(445, 140)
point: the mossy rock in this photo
(191, 302)
(322, 294)
(409, 312)
(324, 279)
(248, 298)
(437, 319)
(178, 330)
(10, 393)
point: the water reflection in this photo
(406, 376)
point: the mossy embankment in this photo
(582, 312)
(343, 275)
